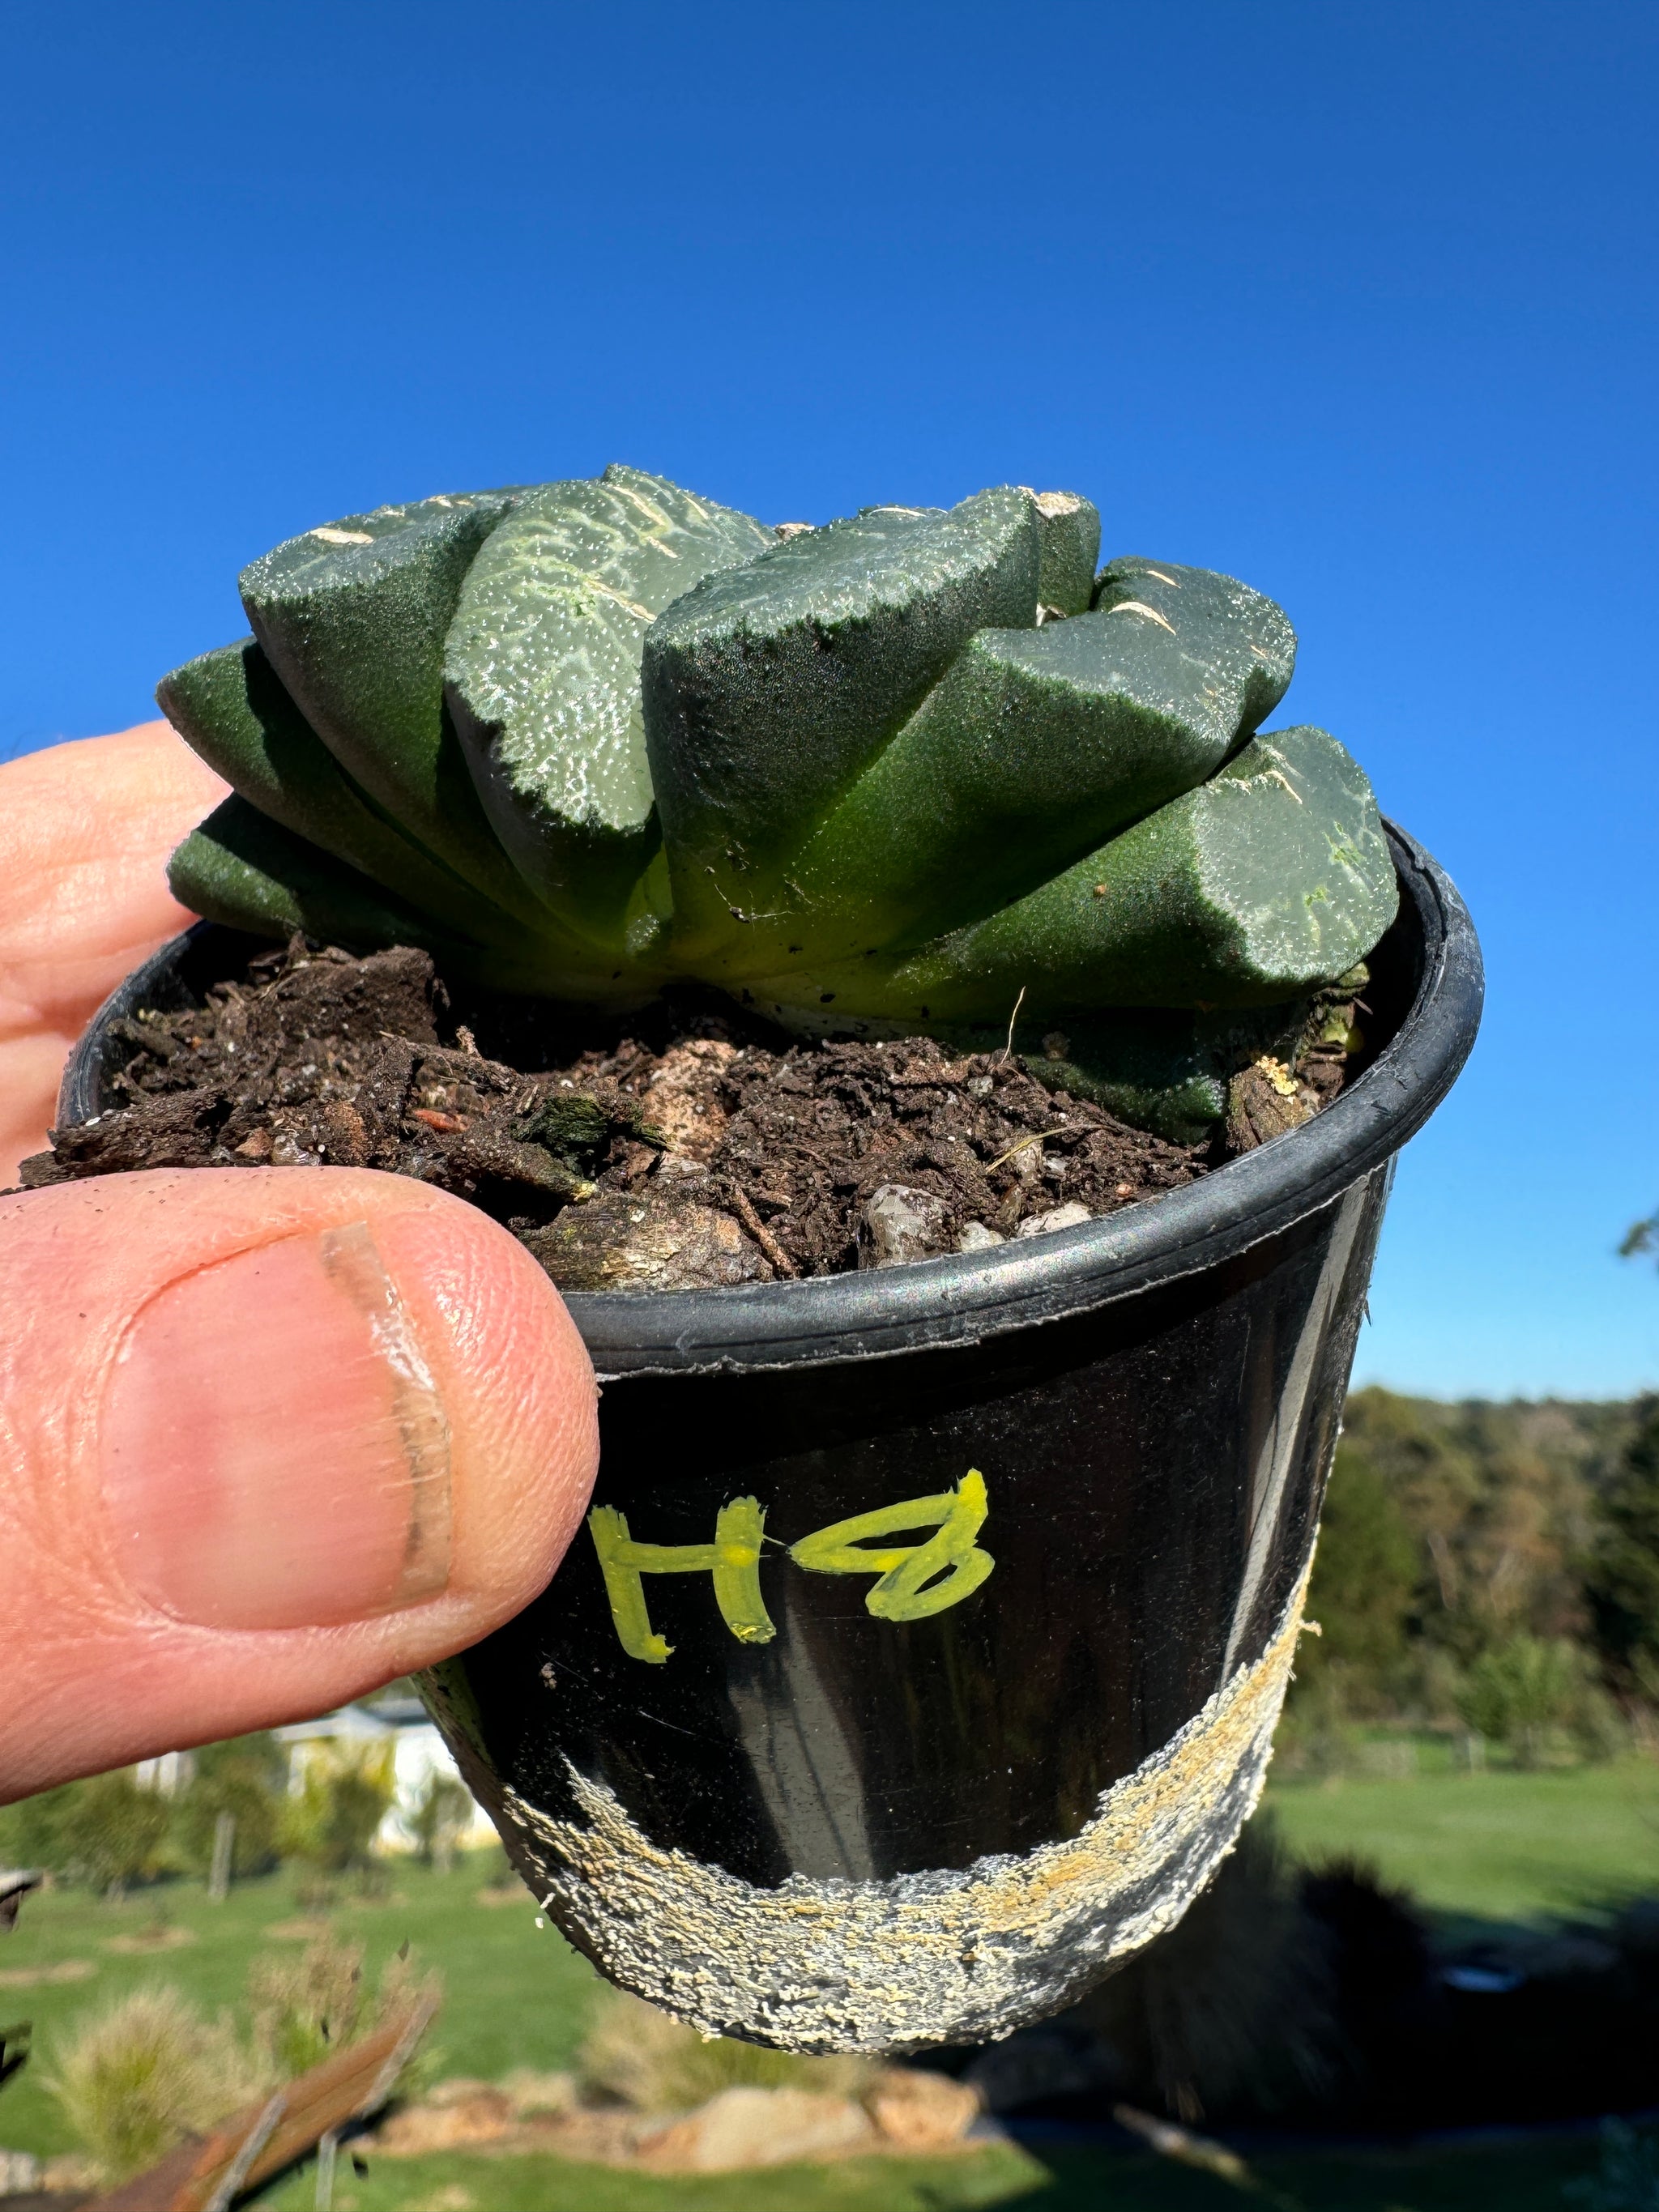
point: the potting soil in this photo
(695, 1148)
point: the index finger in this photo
(85, 832)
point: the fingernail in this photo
(275, 1454)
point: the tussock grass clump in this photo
(305, 2008)
(1237, 2004)
(635, 2055)
(135, 2078)
(138, 2076)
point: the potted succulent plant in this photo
(923, 1654)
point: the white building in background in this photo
(419, 1752)
(169, 1774)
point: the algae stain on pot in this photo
(941, 1956)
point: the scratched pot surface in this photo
(905, 1614)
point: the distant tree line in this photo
(1492, 1569)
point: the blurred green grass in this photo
(1504, 1844)
(453, 2182)
(1513, 2178)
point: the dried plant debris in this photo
(694, 1150)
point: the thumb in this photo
(268, 1438)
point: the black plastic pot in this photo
(923, 1654)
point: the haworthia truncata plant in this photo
(901, 773)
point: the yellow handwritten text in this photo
(912, 1581)
(915, 1579)
(733, 1559)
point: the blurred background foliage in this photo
(1486, 1571)
(330, 1819)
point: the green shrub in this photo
(238, 1787)
(111, 1833)
(260, 1754)
(439, 1818)
(32, 1831)
(1521, 1693)
(104, 1833)
(344, 1793)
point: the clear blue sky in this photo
(1356, 303)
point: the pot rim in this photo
(964, 1298)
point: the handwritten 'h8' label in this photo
(912, 1581)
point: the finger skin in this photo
(92, 1676)
(85, 832)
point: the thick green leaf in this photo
(543, 670)
(229, 708)
(1271, 877)
(910, 771)
(1034, 747)
(1165, 1071)
(353, 617)
(769, 688)
(1068, 530)
(243, 869)
(1231, 637)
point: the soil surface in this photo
(695, 1148)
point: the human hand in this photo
(85, 831)
(269, 1437)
